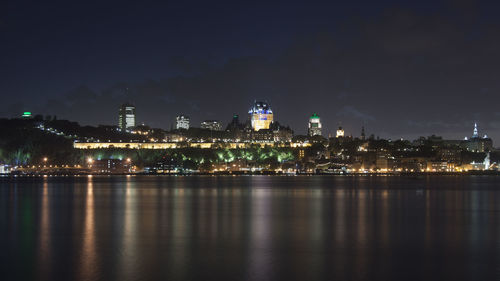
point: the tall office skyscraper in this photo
(182, 122)
(126, 117)
(261, 116)
(314, 128)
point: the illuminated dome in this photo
(260, 108)
(261, 115)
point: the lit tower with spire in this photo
(475, 133)
(476, 143)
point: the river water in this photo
(250, 228)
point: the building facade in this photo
(340, 132)
(314, 128)
(261, 116)
(126, 117)
(27, 115)
(182, 122)
(235, 124)
(110, 166)
(477, 143)
(212, 125)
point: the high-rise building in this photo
(27, 115)
(126, 117)
(475, 134)
(314, 128)
(477, 143)
(261, 115)
(234, 124)
(212, 125)
(340, 132)
(182, 122)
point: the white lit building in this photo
(126, 117)
(182, 122)
(340, 133)
(4, 169)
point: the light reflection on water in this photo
(250, 228)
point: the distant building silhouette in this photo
(212, 125)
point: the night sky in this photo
(404, 70)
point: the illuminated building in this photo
(212, 125)
(475, 133)
(141, 130)
(261, 116)
(276, 133)
(262, 135)
(126, 117)
(438, 166)
(314, 128)
(182, 122)
(282, 134)
(27, 115)
(166, 166)
(301, 154)
(485, 165)
(4, 169)
(384, 162)
(451, 154)
(477, 143)
(175, 145)
(110, 166)
(487, 161)
(340, 132)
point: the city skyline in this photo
(401, 69)
(336, 132)
(183, 121)
(250, 140)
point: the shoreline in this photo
(395, 174)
